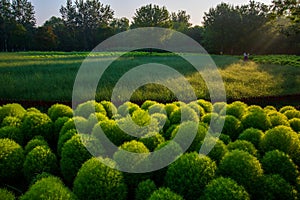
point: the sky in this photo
(126, 8)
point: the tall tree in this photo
(151, 16)
(119, 25)
(5, 21)
(181, 21)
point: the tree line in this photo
(226, 29)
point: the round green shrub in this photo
(110, 108)
(11, 121)
(278, 119)
(141, 117)
(78, 123)
(284, 139)
(59, 110)
(37, 124)
(144, 189)
(225, 138)
(206, 105)
(252, 135)
(189, 175)
(152, 140)
(13, 133)
(58, 124)
(163, 122)
(96, 180)
(236, 109)
(286, 108)
(75, 152)
(14, 110)
(295, 124)
(224, 189)
(6, 195)
(292, 114)
(39, 177)
(268, 109)
(214, 121)
(147, 104)
(125, 162)
(39, 160)
(242, 167)
(242, 145)
(255, 108)
(256, 118)
(63, 139)
(95, 118)
(274, 187)
(277, 162)
(48, 188)
(157, 108)
(127, 108)
(11, 160)
(232, 127)
(112, 132)
(197, 108)
(33, 109)
(218, 151)
(164, 194)
(89, 107)
(170, 107)
(218, 107)
(34, 142)
(184, 113)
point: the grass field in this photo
(49, 76)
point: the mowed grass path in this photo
(50, 76)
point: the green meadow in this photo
(50, 76)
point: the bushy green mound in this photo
(277, 162)
(218, 107)
(14, 110)
(126, 162)
(13, 133)
(170, 107)
(144, 189)
(6, 195)
(79, 123)
(242, 167)
(58, 124)
(110, 108)
(37, 124)
(39, 160)
(163, 122)
(182, 114)
(48, 188)
(89, 107)
(291, 114)
(141, 117)
(59, 110)
(189, 175)
(157, 108)
(94, 119)
(232, 127)
(286, 108)
(127, 108)
(256, 118)
(295, 124)
(236, 109)
(278, 119)
(252, 135)
(206, 105)
(11, 160)
(274, 187)
(269, 109)
(225, 138)
(284, 139)
(197, 108)
(152, 140)
(224, 189)
(75, 152)
(214, 122)
(95, 180)
(34, 142)
(164, 194)
(112, 131)
(11, 121)
(218, 150)
(63, 139)
(242, 145)
(147, 104)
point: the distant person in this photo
(246, 56)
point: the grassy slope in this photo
(50, 76)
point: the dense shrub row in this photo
(60, 155)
